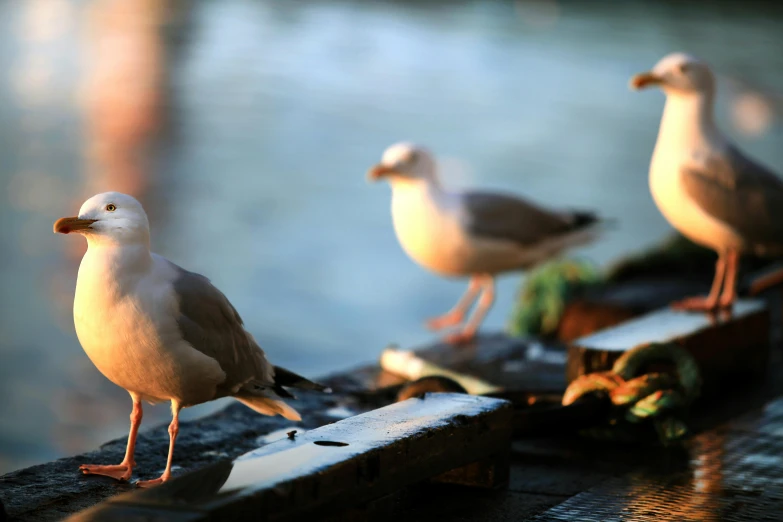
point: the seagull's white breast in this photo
(685, 139)
(428, 227)
(431, 227)
(126, 322)
(679, 209)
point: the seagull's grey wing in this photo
(739, 192)
(500, 216)
(211, 325)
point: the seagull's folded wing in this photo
(504, 217)
(745, 195)
(211, 325)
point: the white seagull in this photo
(475, 234)
(703, 184)
(160, 332)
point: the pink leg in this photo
(456, 314)
(709, 303)
(173, 431)
(730, 287)
(468, 333)
(123, 470)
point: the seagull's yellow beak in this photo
(379, 171)
(67, 225)
(646, 79)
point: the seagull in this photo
(160, 332)
(473, 234)
(703, 184)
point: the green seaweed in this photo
(547, 290)
(545, 293)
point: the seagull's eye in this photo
(111, 207)
(684, 68)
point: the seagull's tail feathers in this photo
(290, 379)
(266, 400)
(581, 219)
(269, 406)
(583, 227)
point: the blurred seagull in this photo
(701, 182)
(475, 234)
(160, 332)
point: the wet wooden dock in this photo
(731, 469)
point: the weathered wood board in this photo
(334, 467)
(726, 346)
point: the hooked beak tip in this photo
(644, 80)
(377, 172)
(67, 225)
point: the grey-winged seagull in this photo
(471, 233)
(703, 184)
(160, 332)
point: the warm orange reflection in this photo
(123, 98)
(694, 498)
(122, 94)
(707, 454)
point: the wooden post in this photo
(727, 347)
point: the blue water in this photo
(269, 115)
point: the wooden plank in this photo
(490, 473)
(108, 512)
(377, 510)
(337, 466)
(507, 362)
(499, 359)
(733, 346)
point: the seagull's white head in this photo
(110, 216)
(678, 74)
(405, 162)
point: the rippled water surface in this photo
(246, 128)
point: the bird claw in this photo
(444, 321)
(460, 337)
(699, 304)
(726, 304)
(151, 483)
(121, 472)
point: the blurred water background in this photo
(246, 128)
